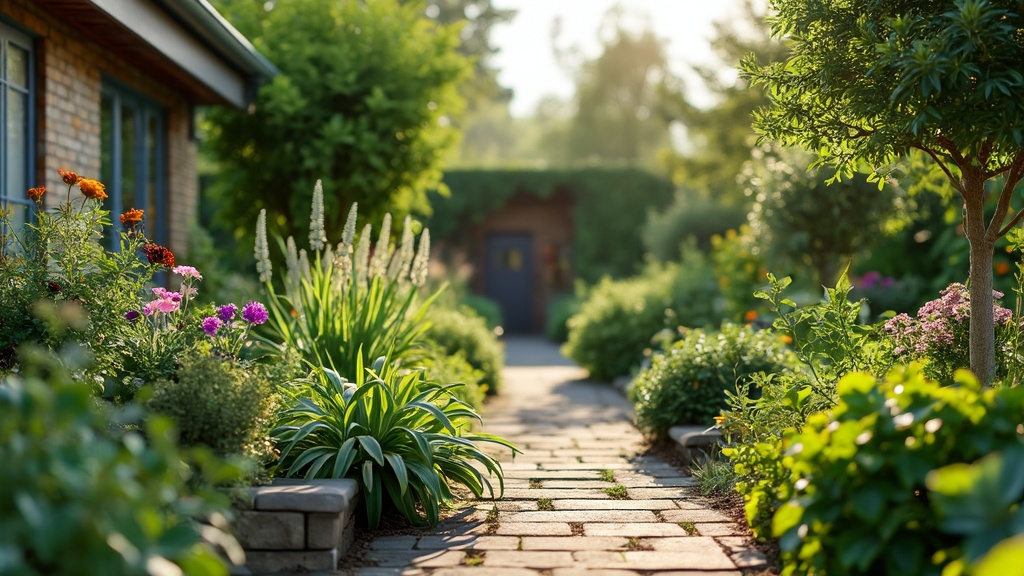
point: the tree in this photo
(790, 220)
(616, 119)
(867, 81)
(364, 102)
(720, 138)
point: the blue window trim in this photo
(10, 33)
(121, 96)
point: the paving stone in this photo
(649, 482)
(633, 529)
(656, 493)
(451, 542)
(583, 516)
(553, 494)
(528, 559)
(593, 572)
(682, 544)
(656, 560)
(482, 571)
(717, 528)
(496, 543)
(393, 543)
(562, 484)
(613, 504)
(554, 474)
(695, 515)
(439, 559)
(743, 552)
(572, 543)
(534, 529)
(690, 504)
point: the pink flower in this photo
(187, 271)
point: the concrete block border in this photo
(297, 525)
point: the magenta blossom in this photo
(226, 313)
(132, 315)
(210, 325)
(187, 271)
(255, 313)
(165, 294)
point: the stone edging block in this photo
(324, 495)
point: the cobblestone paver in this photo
(579, 500)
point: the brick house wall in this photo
(69, 72)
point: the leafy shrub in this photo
(79, 495)
(484, 307)
(216, 402)
(342, 308)
(690, 216)
(463, 330)
(440, 367)
(739, 271)
(561, 309)
(393, 433)
(856, 499)
(616, 322)
(687, 384)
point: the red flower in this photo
(69, 178)
(36, 194)
(158, 255)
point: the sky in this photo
(527, 62)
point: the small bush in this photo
(689, 217)
(215, 402)
(856, 500)
(80, 495)
(561, 309)
(461, 330)
(688, 383)
(616, 322)
(485, 307)
(441, 367)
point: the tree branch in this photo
(938, 160)
(1013, 177)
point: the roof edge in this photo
(222, 36)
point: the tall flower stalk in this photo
(348, 309)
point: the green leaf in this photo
(372, 447)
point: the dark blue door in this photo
(509, 278)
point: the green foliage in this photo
(618, 319)
(687, 384)
(714, 476)
(616, 322)
(856, 500)
(738, 266)
(363, 100)
(981, 501)
(347, 307)
(865, 84)
(441, 367)
(484, 307)
(461, 330)
(562, 308)
(610, 206)
(689, 216)
(790, 219)
(218, 403)
(393, 433)
(77, 492)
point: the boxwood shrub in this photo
(688, 383)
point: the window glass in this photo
(16, 155)
(17, 65)
(17, 142)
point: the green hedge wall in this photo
(610, 211)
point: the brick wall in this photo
(69, 72)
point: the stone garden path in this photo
(578, 500)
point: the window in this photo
(132, 156)
(16, 157)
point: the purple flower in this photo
(210, 325)
(227, 312)
(255, 313)
(132, 315)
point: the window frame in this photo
(12, 35)
(120, 97)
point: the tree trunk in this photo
(983, 335)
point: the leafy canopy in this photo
(363, 101)
(869, 80)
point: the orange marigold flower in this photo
(92, 189)
(158, 255)
(132, 217)
(719, 420)
(786, 339)
(1002, 268)
(69, 178)
(750, 316)
(36, 194)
